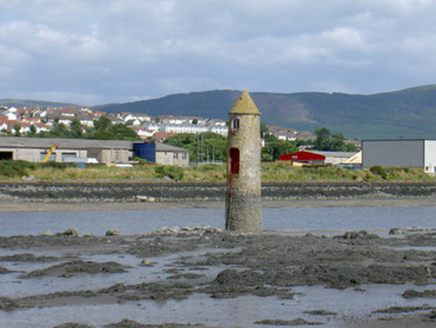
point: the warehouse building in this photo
(417, 153)
(86, 150)
(335, 157)
(304, 157)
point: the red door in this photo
(234, 161)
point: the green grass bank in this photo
(271, 172)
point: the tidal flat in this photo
(352, 279)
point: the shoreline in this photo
(32, 206)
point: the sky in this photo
(94, 52)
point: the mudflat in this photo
(206, 262)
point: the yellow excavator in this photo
(49, 153)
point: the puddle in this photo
(352, 308)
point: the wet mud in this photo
(224, 265)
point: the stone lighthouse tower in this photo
(243, 201)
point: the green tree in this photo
(206, 146)
(122, 132)
(331, 142)
(264, 129)
(112, 132)
(32, 132)
(265, 134)
(273, 150)
(76, 128)
(17, 129)
(103, 123)
(351, 147)
(213, 147)
(323, 136)
(59, 131)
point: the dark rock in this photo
(68, 269)
(72, 232)
(8, 304)
(320, 312)
(402, 309)
(357, 234)
(27, 257)
(411, 293)
(73, 325)
(295, 322)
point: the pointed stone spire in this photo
(243, 201)
(245, 105)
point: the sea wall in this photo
(184, 191)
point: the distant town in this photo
(279, 143)
(33, 120)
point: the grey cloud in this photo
(118, 50)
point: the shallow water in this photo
(352, 308)
(11, 285)
(143, 221)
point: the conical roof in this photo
(245, 105)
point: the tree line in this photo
(103, 129)
(212, 147)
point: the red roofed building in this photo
(304, 157)
(159, 136)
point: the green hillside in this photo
(409, 113)
(208, 104)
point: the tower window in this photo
(235, 124)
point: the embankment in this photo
(134, 191)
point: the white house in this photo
(11, 114)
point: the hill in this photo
(409, 113)
(36, 103)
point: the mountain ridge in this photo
(406, 113)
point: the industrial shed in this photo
(161, 153)
(336, 157)
(400, 153)
(304, 157)
(80, 150)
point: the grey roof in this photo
(21, 142)
(165, 147)
(330, 154)
(396, 140)
(45, 143)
